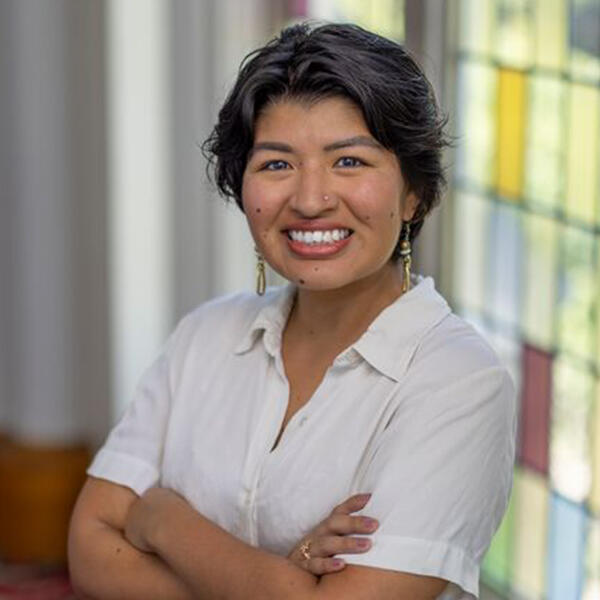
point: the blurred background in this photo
(110, 232)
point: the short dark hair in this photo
(310, 63)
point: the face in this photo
(324, 200)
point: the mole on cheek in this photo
(316, 268)
(302, 281)
(258, 210)
(391, 215)
(368, 217)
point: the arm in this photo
(215, 564)
(103, 565)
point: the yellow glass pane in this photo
(531, 531)
(582, 165)
(511, 132)
(476, 126)
(540, 274)
(594, 501)
(514, 32)
(570, 443)
(471, 217)
(476, 22)
(546, 154)
(551, 29)
(578, 285)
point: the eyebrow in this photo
(358, 140)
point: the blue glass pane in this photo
(505, 260)
(567, 546)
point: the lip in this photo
(318, 251)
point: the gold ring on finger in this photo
(305, 550)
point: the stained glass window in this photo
(526, 271)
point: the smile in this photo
(318, 237)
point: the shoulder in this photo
(222, 320)
(454, 354)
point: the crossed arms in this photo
(158, 547)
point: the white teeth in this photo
(318, 237)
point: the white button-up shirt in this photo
(419, 412)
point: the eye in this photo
(350, 161)
(274, 165)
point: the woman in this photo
(270, 420)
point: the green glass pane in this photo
(514, 32)
(545, 153)
(591, 589)
(476, 123)
(539, 280)
(570, 448)
(551, 33)
(471, 217)
(476, 22)
(577, 289)
(582, 163)
(496, 565)
(585, 39)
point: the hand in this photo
(331, 537)
(144, 515)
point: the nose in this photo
(311, 196)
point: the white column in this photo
(42, 407)
(139, 183)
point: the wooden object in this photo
(38, 489)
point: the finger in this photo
(344, 524)
(336, 544)
(352, 504)
(322, 566)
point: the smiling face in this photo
(324, 200)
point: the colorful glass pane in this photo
(584, 39)
(591, 590)
(497, 563)
(476, 20)
(512, 98)
(536, 400)
(505, 241)
(539, 258)
(576, 293)
(476, 156)
(570, 448)
(594, 500)
(531, 539)
(513, 32)
(546, 152)
(567, 546)
(471, 216)
(582, 163)
(550, 33)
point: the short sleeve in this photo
(132, 453)
(441, 478)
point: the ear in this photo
(411, 201)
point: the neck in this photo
(345, 313)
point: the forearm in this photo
(105, 566)
(217, 565)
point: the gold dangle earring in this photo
(405, 254)
(261, 279)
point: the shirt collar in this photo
(271, 318)
(392, 338)
(387, 345)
